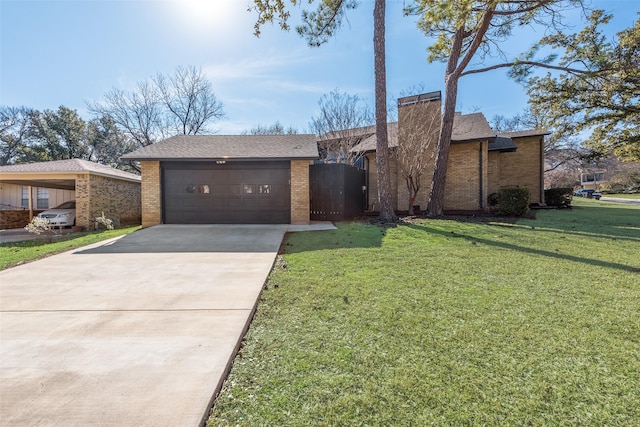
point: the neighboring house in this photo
(592, 180)
(200, 179)
(96, 189)
(480, 161)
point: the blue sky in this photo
(70, 52)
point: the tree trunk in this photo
(413, 186)
(387, 213)
(436, 201)
(436, 198)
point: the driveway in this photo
(135, 331)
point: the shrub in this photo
(514, 201)
(103, 221)
(41, 226)
(38, 226)
(558, 196)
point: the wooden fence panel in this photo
(336, 191)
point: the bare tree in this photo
(275, 129)
(138, 113)
(183, 103)
(418, 129)
(339, 126)
(190, 99)
(15, 126)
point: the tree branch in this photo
(532, 63)
(477, 40)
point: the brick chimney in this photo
(414, 111)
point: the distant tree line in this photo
(180, 103)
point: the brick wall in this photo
(116, 198)
(83, 197)
(372, 178)
(151, 196)
(523, 167)
(493, 173)
(15, 218)
(300, 196)
(462, 187)
(396, 179)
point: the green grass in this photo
(14, 253)
(443, 322)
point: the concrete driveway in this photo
(136, 331)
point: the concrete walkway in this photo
(135, 331)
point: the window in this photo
(264, 189)
(25, 197)
(592, 177)
(43, 198)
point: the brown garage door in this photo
(228, 193)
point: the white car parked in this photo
(61, 216)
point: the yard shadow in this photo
(619, 223)
(523, 249)
(195, 238)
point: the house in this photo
(26, 189)
(480, 160)
(592, 180)
(235, 179)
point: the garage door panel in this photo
(236, 192)
(250, 204)
(234, 203)
(218, 189)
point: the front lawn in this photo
(13, 253)
(442, 322)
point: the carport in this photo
(98, 188)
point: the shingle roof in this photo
(241, 147)
(466, 127)
(68, 166)
(523, 133)
(502, 144)
(471, 127)
(369, 140)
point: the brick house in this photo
(480, 160)
(27, 189)
(234, 179)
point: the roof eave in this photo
(217, 159)
(462, 141)
(62, 174)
